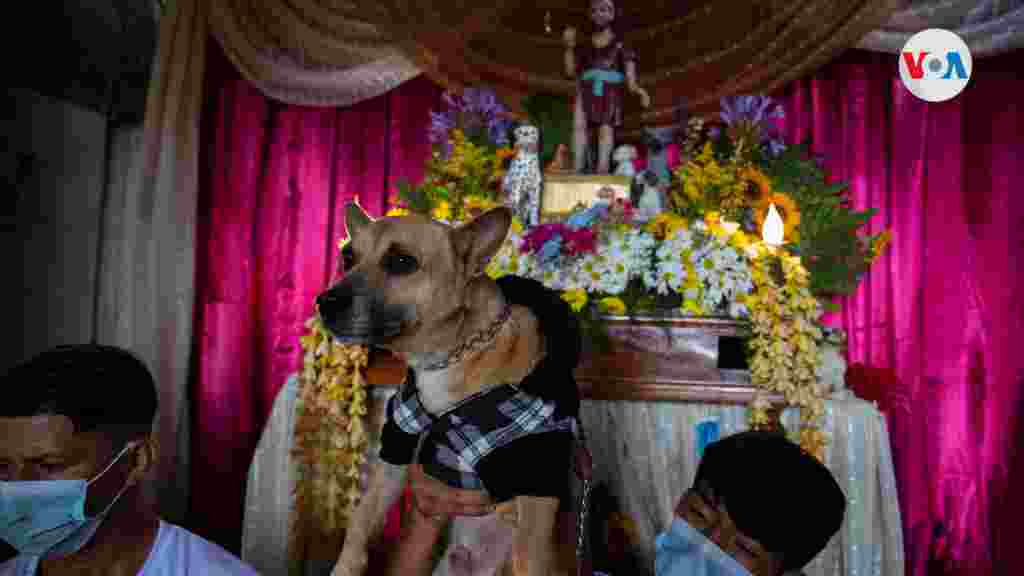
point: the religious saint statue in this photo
(604, 69)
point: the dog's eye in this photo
(399, 263)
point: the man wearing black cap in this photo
(759, 505)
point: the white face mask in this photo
(684, 551)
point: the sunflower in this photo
(788, 210)
(759, 186)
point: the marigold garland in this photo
(784, 355)
(330, 436)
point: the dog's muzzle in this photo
(352, 316)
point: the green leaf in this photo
(414, 196)
(552, 115)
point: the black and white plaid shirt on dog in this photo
(510, 440)
(452, 444)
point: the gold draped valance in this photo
(310, 52)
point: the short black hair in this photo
(766, 480)
(99, 388)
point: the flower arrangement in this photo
(704, 256)
(468, 161)
(330, 438)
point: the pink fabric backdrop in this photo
(943, 306)
(274, 183)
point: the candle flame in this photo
(771, 232)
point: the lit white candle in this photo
(771, 232)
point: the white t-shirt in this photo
(175, 552)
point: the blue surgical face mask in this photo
(684, 551)
(47, 518)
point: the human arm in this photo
(569, 38)
(434, 498)
(633, 86)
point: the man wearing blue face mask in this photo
(75, 447)
(759, 506)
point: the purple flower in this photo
(774, 145)
(752, 109)
(477, 111)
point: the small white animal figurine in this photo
(646, 197)
(624, 156)
(523, 184)
(832, 371)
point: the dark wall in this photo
(94, 53)
(53, 168)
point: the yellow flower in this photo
(740, 240)
(612, 305)
(517, 226)
(665, 224)
(879, 244)
(692, 307)
(478, 203)
(713, 220)
(504, 153)
(577, 299)
(397, 212)
(443, 211)
(787, 209)
(760, 186)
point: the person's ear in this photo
(147, 454)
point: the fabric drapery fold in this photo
(989, 27)
(309, 52)
(146, 285)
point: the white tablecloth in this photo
(646, 452)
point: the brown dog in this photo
(417, 287)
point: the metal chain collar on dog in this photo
(477, 341)
(581, 521)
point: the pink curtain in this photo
(274, 182)
(943, 307)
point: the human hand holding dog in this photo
(438, 501)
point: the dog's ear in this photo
(478, 240)
(355, 219)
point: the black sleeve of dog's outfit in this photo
(396, 447)
(537, 465)
(553, 379)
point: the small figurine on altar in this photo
(657, 141)
(624, 157)
(560, 163)
(604, 69)
(523, 182)
(646, 196)
(606, 194)
(832, 370)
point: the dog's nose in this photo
(330, 300)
